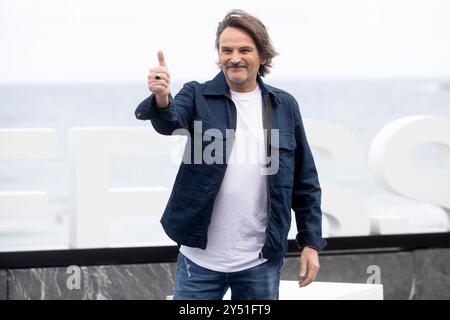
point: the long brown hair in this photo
(254, 28)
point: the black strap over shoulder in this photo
(267, 124)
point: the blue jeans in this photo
(193, 282)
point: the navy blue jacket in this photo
(295, 185)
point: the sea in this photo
(364, 106)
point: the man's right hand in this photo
(160, 87)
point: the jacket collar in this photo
(219, 87)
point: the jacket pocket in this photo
(187, 212)
(283, 159)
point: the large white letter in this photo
(26, 144)
(94, 202)
(392, 164)
(346, 212)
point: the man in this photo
(229, 217)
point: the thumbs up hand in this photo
(159, 81)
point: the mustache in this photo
(232, 65)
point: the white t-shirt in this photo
(236, 233)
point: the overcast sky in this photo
(105, 40)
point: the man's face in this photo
(239, 59)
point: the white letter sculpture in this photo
(393, 166)
(26, 144)
(94, 202)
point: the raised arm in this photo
(165, 113)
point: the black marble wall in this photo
(142, 281)
(432, 274)
(396, 271)
(3, 285)
(421, 274)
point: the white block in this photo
(330, 291)
(289, 290)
